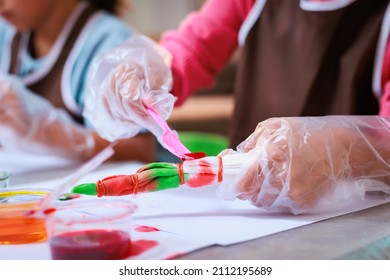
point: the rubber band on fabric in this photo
(135, 183)
(180, 173)
(220, 169)
(100, 188)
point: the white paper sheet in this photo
(189, 219)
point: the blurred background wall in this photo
(151, 17)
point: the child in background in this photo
(46, 48)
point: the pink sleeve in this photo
(203, 44)
(385, 99)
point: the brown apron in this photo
(307, 63)
(49, 86)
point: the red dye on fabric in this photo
(146, 229)
(117, 185)
(140, 246)
(206, 176)
(122, 185)
(196, 155)
(91, 245)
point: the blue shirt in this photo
(101, 33)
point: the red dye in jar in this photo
(91, 245)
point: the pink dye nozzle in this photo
(171, 141)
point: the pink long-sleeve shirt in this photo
(206, 40)
(385, 82)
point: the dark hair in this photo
(111, 6)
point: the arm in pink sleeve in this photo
(385, 99)
(203, 44)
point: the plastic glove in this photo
(29, 123)
(312, 163)
(122, 82)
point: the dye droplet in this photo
(49, 211)
(146, 229)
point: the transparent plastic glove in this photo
(312, 163)
(29, 123)
(122, 82)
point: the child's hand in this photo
(295, 163)
(30, 123)
(125, 80)
(13, 111)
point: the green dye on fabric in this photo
(158, 166)
(170, 182)
(87, 189)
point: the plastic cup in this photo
(91, 229)
(17, 226)
(4, 179)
